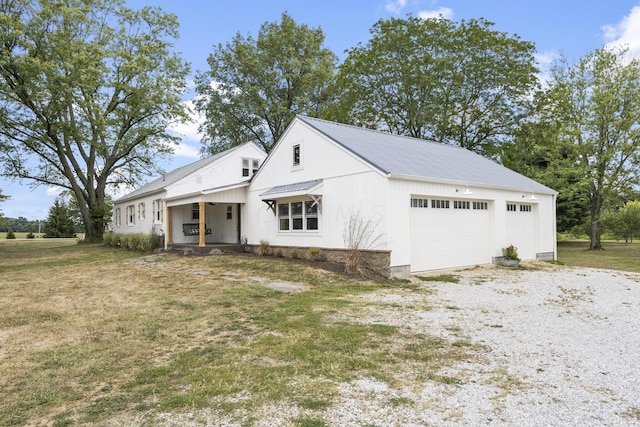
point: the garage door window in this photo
(525, 208)
(419, 203)
(511, 207)
(440, 204)
(461, 204)
(480, 206)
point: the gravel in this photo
(561, 348)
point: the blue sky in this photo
(573, 27)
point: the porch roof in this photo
(291, 190)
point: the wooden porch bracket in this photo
(271, 205)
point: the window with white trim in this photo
(250, 166)
(296, 155)
(419, 203)
(440, 204)
(298, 216)
(480, 206)
(131, 215)
(245, 167)
(525, 208)
(118, 218)
(461, 204)
(157, 210)
(229, 212)
(511, 207)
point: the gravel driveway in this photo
(563, 349)
(560, 347)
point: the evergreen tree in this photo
(59, 222)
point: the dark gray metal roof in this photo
(290, 188)
(412, 157)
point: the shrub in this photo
(510, 252)
(10, 234)
(133, 242)
(315, 254)
(30, 236)
(264, 248)
(293, 253)
(359, 234)
(279, 253)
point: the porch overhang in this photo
(233, 193)
(311, 189)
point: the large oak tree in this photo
(88, 89)
(254, 87)
(463, 83)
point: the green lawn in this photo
(615, 255)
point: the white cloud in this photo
(544, 61)
(189, 130)
(395, 6)
(441, 12)
(186, 150)
(626, 33)
(54, 191)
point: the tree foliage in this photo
(255, 87)
(590, 122)
(625, 223)
(88, 89)
(59, 222)
(461, 84)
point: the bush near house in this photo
(133, 242)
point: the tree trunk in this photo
(594, 236)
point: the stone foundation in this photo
(375, 260)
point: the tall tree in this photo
(255, 87)
(461, 84)
(88, 89)
(595, 105)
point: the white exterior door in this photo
(451, 235)
(521, 229)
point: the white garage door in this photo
(449, 233)
(521, 229)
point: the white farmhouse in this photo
(434, 206)
(206, 195)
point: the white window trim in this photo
(305, 217)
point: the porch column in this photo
(202, 243)
(169, 227)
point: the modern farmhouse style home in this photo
(432, 206)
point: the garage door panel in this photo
(444, 238)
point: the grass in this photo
(92, 335)
(615, 255)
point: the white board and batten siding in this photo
(348, 185)
(457, 229)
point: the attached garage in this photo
(449, 233)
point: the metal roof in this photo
(412, 157)
(290, 188)
(175, 175)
